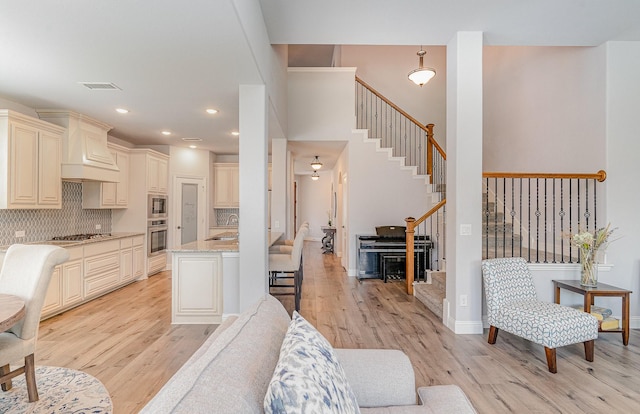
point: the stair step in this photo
(430, 296)
(438, 279)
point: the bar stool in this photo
(288, 266)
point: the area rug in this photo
(61, 390)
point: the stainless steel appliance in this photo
(157, 206)
(156, 237)
(384, 254)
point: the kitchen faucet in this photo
(234, 221)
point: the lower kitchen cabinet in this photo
(196, 288)
(93, 270)
(157, 263)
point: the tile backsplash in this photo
(45, 224)
(222, 215)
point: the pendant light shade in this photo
(315, 176)
(316, 164)
(421, 75)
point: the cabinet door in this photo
(221, 190)
(53, 300)
(122, 188)
(235, 186)
(163, 175)
(126, 265)
(71, 283)
(152, 174)
(49, 169)
(23, 145)
(138, 261)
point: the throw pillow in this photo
(308, 377)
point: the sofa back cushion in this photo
(233, 373)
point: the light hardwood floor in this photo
(125, 339)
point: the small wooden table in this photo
(11, 311)
(590, 293)
(327, 240)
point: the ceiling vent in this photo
(192, 139)
(100, 86)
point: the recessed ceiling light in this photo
(122, 110)
(212, 111)
(193, 146)
(166, 132)
(235, 133)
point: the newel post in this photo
(430, 152)
(409, 260)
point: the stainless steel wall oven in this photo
(156, 237)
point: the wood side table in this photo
(11, 311)
(590, 293)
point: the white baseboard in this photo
(459, 327)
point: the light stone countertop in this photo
(75, 243)
(207, 246)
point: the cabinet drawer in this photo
(101, 283)
(126, 243)
(138, 240)
(75, 253)
(93, 249)
(100, 264)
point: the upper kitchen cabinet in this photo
(226, 192)
(109, 195)
(157, 173)
(30, 162)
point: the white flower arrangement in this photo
(590, 245)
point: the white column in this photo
(254, 261)
(464, 179)
(279, 185)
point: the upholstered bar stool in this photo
(288, 242)
(288, 266)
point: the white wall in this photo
(540, 104)
(187, 163)
(380, 193)
(321, 104)
(314, 200)
(385, 68)
(623, 169)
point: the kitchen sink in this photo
(224, 237)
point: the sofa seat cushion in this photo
(547, 324)
(231, 373)
(308, 377)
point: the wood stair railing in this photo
(412, 224)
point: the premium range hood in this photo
(85, 156)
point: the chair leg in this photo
(4, 370)
(296, 290)
(588, 350)
(551, 359)
(493, 335)
(30, 376)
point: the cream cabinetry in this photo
(30, 162)
(157, 263)
(93, 270)
(65, 287)
(197, 287)
(109, 195)
(226, 191)
(131, 258)
(157, 174)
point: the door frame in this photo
(177, 209)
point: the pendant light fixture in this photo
(421, 75)
(316, 164)
(315, 176)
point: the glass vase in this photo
(589, 273)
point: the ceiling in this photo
(172, 60)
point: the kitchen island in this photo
(205, 280)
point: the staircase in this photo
(433, 292)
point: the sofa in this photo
(232, 372)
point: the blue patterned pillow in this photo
(308, 377)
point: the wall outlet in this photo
(19, 233)
(465, 229)
(276, 224)
(98, 226)
(463, 300)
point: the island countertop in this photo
(217, 245)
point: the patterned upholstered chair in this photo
(512, 306)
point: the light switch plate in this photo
(465, 229)
(20, 233)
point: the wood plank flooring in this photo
(125, 339)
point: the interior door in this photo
(190, 210)
(189, 213)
